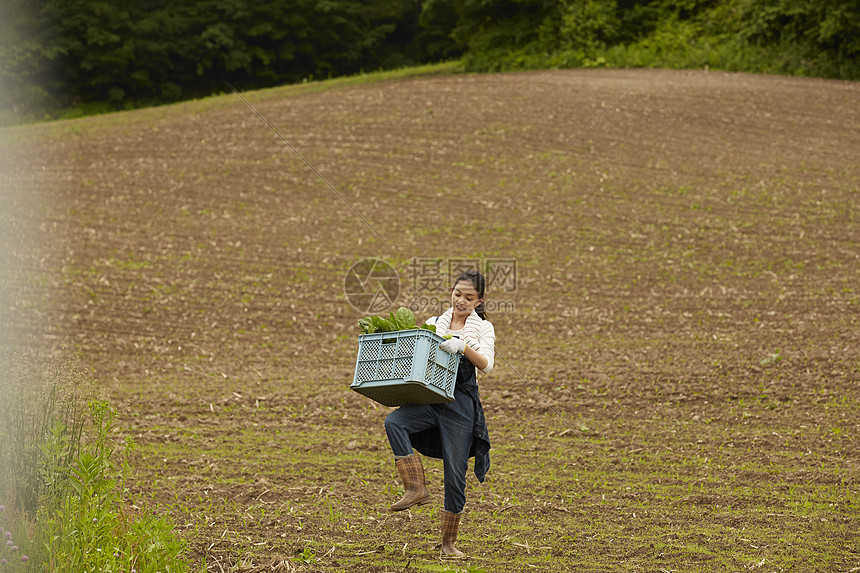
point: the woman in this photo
(453, 431)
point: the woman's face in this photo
(464, 298)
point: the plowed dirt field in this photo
(678, 329)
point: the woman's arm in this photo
(484, 357)
(476, 358)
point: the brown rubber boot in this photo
(450, 524)
(412, 474)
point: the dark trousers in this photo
(455, 421)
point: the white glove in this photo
(453, 346)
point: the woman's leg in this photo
(398, 425)
(408, 419)
(456, 425)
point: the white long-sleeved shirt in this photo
(484, 343)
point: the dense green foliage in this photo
(107, 54)
(799, 37)
(62, 53)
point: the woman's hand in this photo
(453, 346)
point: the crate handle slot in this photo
(389, 340)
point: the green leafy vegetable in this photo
(382, 325)
(402, 319)
(371, 324)
(366, 325)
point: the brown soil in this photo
(686, 302)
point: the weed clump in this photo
(63, 471)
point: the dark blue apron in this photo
(429, 442)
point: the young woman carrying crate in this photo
(453, 431)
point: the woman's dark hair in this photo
(479, 282)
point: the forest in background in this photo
(60, 58)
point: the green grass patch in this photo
(77, 122)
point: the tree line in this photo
(115, 54)
(798, 37)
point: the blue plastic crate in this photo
(405, 367)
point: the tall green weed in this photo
(43, 402)
(86, 523)
(63, 501)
